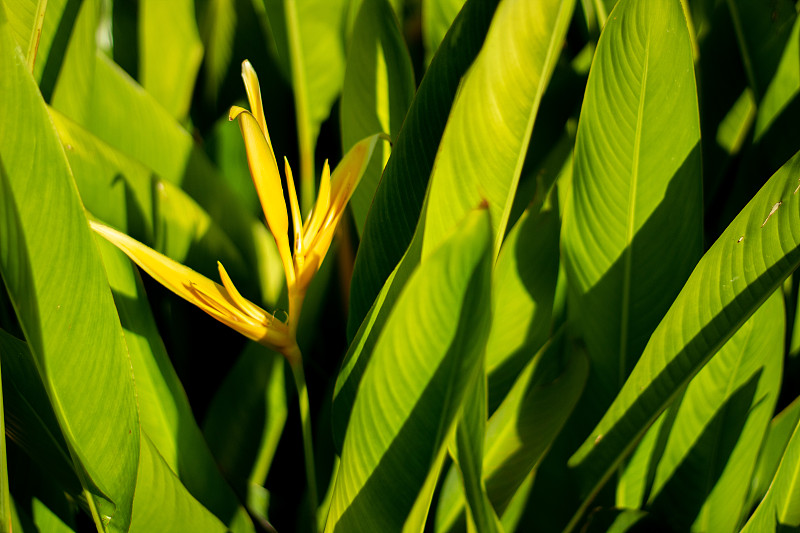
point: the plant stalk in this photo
(296, 363)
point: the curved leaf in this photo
(780, 431)
(54, 275)
(523, 290)
(164, 411)
(437, 17)
(162, 503)
(514, 64)
(411, 392)
(745, 265)
(378, 88)
(720, 423)
(781, 505)
(636, 165)
(398, 199)
(170, 52)
(495, 107)
(523, 428)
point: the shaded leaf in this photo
(378, 89)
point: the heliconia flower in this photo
(312, 238)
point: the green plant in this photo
(565, 298)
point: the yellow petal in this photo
(197, 289)
(254, 311)
(264, 170)
(320, 210)
(253, 89)
(297, 219)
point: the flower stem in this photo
(296, 363)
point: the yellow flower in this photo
(311, 239)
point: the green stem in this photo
(296, 363)
(304, 140)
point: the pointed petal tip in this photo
(235, 111)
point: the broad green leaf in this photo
(523, 288)
(437, 17)
(170, 52)
(398, 200)
(511, 73)
(72, 90)
(54, 275)
(246, 418)
(531, 34)
(523, 428)
(164, 411)
(762, 30)
(784, 85)
(412, 391)
(721, 421)
(626, 253)
(781, 505)
(780, 431)
(162, 503)
(46, 520)
(378, 89)
(751, 258)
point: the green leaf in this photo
(781, 505)
(246, 417)
(470, 435)
(170, 52)
(511, 73)
(783, 87)
(437, 17)
(780, 431)
(745, 265)
(217, 25)
(411, 392)
(721, 421)
(398, 199)
(626, 253)
(378, 89)
(523, 289)
(163, 503)
(31, 422)
(762, 30)
(164, 411)
(464, 172)
(55, 279)
(523, 428)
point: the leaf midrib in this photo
(626, 280)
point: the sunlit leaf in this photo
(748, 262)
(412, 391)
(720, 423)
(626, 253)
(170, 52)
(54, 275)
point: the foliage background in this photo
(124, 113)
